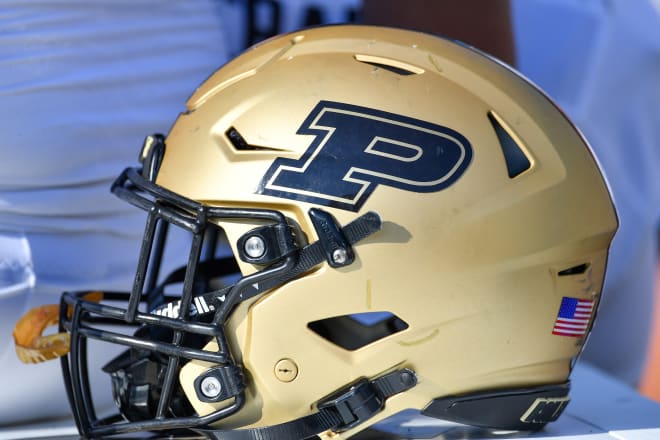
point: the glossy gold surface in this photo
(472, 269)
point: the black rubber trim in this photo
(526, 409)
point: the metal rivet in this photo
(211, 387)
(255, 247)
(407, 378)
(286, 370)
(339, 256)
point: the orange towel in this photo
(650, 383)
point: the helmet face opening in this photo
(164, 324)
(175, 328)
(378, 220)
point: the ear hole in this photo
(352, 332)
(515, 157)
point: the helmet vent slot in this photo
(240, 144)
(515, 156)
(352, 332)
(394, 66)
(575, 270)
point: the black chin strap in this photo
(308, 257)
(339, 412)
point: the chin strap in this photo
(340, 412)
(333, 239)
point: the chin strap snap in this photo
(339, 412)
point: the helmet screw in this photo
(339, 256)
(210, 387)
(286, 370)
(255, 247)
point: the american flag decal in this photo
(573, 317)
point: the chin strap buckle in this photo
(355, 405)
(339, 412)
(364, 399)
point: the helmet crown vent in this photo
(389, 64)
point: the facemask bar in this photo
(288, 257)
(163, 207)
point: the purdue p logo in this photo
(358, 148)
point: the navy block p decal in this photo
(358, 148)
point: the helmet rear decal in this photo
(573, 317)
(358, 148)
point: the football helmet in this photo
(379, 220)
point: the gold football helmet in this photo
(380, 220)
